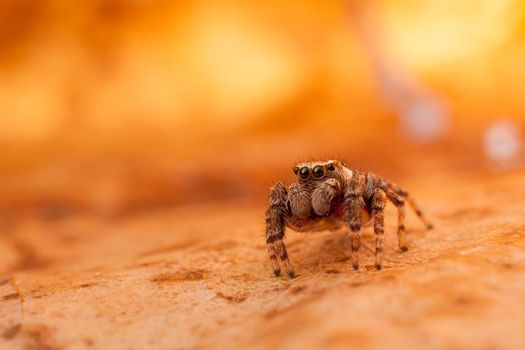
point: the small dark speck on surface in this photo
(11, 296)
(178, 276)
(297, 289)
(462, 301)
(232, 298)
(89, 341)
(12, 331)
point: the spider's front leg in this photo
(354, 204)
(275, 225)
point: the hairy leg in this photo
(323, 195)
(354, 204)
(404, 194)
(275, 225)
(419, 213)
(355, 237)
(400, 205)
(378, 206)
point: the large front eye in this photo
(318, 171)
(305, 172)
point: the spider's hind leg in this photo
(404, 194)
(419, 213)
(400, 205)
(378, 207)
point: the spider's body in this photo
(328, 196)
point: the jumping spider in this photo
(328, 195)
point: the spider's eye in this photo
(305, 172)
(295, 170)
(331, 167)
(318, 171)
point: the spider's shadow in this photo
(327, 249)
(331, 248)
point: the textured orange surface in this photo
(169, 279)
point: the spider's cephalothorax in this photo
(328, 195)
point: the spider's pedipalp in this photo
(323, 195)
(299, 201)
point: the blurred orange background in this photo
(114, 106)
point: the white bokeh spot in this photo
(502, 141)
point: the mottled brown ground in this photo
(198, 277)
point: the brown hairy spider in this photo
(327, 196)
